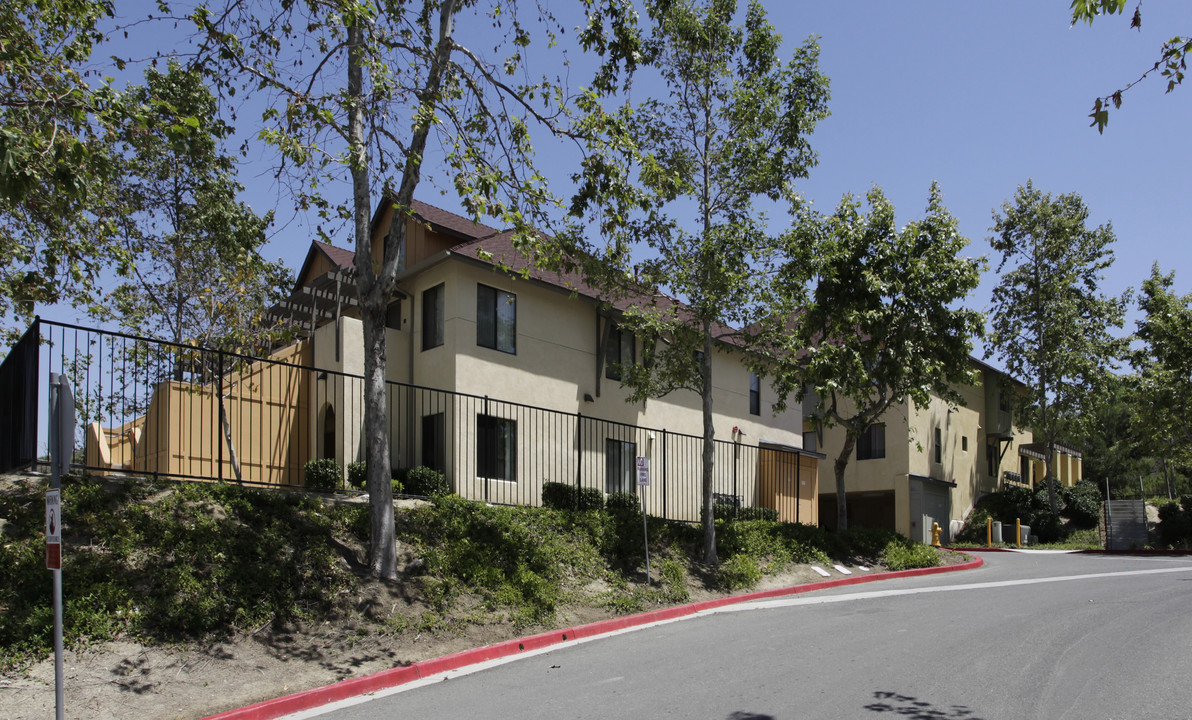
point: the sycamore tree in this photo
(679, 174)
(1050, 321)
(55, 167)
(1164, 364)
(197, 275)
(1172, 62)
(359, 94)
(1113, 441)
(884, 323)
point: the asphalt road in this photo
(1027, 636)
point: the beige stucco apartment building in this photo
(923, 465)
(474, 318)
(501, 375)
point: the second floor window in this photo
(872, 443)
(620, 350)
(393, 315)
(496, 319)
(939, 445)
(432, 317)
(755, 394)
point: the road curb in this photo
(1082, 551)
(385, 679)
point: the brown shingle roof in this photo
(502, 251)
(453, 224)
(490, 246)
(341, 258)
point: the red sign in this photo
(53, 556)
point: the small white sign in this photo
(643, 471)
(54, 517)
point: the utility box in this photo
(1026, 535)
(997, 532)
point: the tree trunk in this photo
(709, 454)
(227, 431)
(374, 296)
(382, 548)
(850, 441)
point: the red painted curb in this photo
(385, 679)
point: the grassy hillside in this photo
(165, 563)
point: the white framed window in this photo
(496, 319)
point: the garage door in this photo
(931, 502)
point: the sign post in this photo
(62, 430)
(643, 480)
(54, 529)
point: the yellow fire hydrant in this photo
(935, 534)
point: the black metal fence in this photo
(19, 402)
(158, 408)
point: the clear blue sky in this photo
(980, 96)
(983, 96)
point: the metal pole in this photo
(58, 443)
(1108, 518)
(645, 536)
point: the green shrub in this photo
(903, 554)
(224, 558)
(1175, 525)
(624, 502)
(739, 572)
(673, 579)
(810, 543)
(590, 499)
(757, 513)
(357, 474)
(426, 482)
(323, 474)
(1082, 504)
(731, 511)
(559, 496)
(562, 496)
(975, 527)
(868, 542)
(1032, 507)
(513, 557)
(725, 511)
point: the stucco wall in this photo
(911, 446)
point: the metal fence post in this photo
(664, 475)
(217, 431)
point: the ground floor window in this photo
(329, 433)
(620, 465)
(434, 441)
(496, 448)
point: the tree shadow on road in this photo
(742, 715)
(912, 707)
